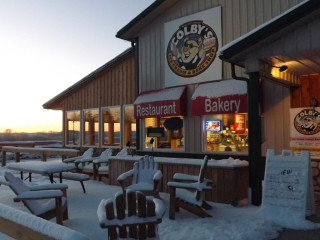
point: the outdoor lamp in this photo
(282, 68)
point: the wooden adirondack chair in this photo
(92, 164)
(145, 177)
(187, 192)
(87, 154)
(33, 198)
(138, 221)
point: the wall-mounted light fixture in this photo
(282, 68)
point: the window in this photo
(166, 132)
(111, 134)
(91, 127)
(129, 125)
(226, 132)
(73, 128)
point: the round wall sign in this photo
(192, 49)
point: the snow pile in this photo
(39, 225)
(161, 95)
(221, 88)
(230, 162)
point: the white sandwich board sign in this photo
(288, 187)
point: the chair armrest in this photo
(35, 195)
(160, 208)
(56, 186)
(100, 160)
(185, 177)
(70, 160)
(125, 175)
(193, 186)
(157, 176)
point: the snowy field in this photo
(228, 222)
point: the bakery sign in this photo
(192, 44)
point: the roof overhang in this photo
(131, 30)
(238, 50)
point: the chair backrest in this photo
(88, 153)
(144, 170)
(123, 152)
(18, 186)
(203, 169)
(106, 154)
(144, 210)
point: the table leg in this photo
(51, 177)
(4, 158)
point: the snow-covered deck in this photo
(228, 222)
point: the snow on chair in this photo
(145, 177)
(187, 192)
(45, 201)
(91, 164)
(87, 154)
(138, 219)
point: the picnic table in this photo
(43, 152)
(43, 168)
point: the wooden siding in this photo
(276, 106)
(238, 18)
(301, 96)
(230, 185)
(114, 86)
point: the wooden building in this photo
(98, 110)
(203, 79)
(183, 53)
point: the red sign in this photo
(174, 107)
(219, 105)
(240, 123)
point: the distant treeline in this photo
(40, 136)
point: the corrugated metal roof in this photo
(87, 78)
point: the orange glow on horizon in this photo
(33, 128)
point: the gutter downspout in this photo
(256, 165)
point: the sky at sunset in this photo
(47, 46)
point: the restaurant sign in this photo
(192, 44)
(219, 105)
(159, 103)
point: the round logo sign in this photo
(192, 49)
(307, 122)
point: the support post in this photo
(256, 164)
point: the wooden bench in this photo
(43, 152)
(138, 222)
(81, 177)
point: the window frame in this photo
(101, 127)
(67, 129)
